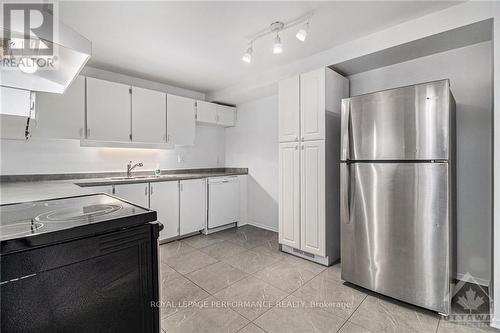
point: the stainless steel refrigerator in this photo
(398, 193)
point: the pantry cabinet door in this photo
(164, 199)
(108, 111)
(312, 197)
(181, 120)
(149, 116)
(289, 194)
(193, 211)
(61, 116)
(288, 108)
(312, 105)
(137, 194)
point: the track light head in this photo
(247, 57)
(277, 47)
(302, 33)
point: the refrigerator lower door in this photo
(395, 230)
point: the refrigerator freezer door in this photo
(409, 123)
(395, 230)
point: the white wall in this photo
(253, 144)
(469, 70)
(66, 156)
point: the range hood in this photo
(69, 53)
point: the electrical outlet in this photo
(180, 159)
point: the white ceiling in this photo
(198, 45)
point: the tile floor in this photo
(237, 280)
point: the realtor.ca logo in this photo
(27, 37)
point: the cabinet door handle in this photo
(146, 190)
(151, 189)
(182, 187)
(168, 137)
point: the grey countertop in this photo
(19, 189)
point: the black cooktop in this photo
(23, 225)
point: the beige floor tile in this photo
(176, 294)
(204, 317)
(167, 273)
(189, 262)
(174, 249)
(332, 296)
(250, 297)
(306, 264)
(250, 262)
(223, 250)
(201, 241)
(285, 276)
(381, 315)
(332, 272)
(353, 328)
(251, 328)
(294, 316)
(216, 276)
(450, 327)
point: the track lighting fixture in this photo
(276, 28)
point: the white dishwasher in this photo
(223, 201)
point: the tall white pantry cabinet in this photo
(309, 173)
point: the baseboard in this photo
(260, 225)
(479, 281)
(495, 323)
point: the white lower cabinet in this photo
(312, 197)
(302, 196)
(289, 194)
(164, 199)
(137, 194)
(193, 211)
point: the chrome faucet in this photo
(131, 167)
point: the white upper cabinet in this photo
(289, 105)
(206, 112)
(61, 116)
(149, 115)
(181, 122)
(215, 114)
(108, 110)
(164, 199)
(193, 211)
(312, 105)
(226, 115)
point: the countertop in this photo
(18, 189)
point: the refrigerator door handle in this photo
(345, 130)
(346, 192)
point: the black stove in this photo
(79, 264)
(37, 222)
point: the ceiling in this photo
(198, 45)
